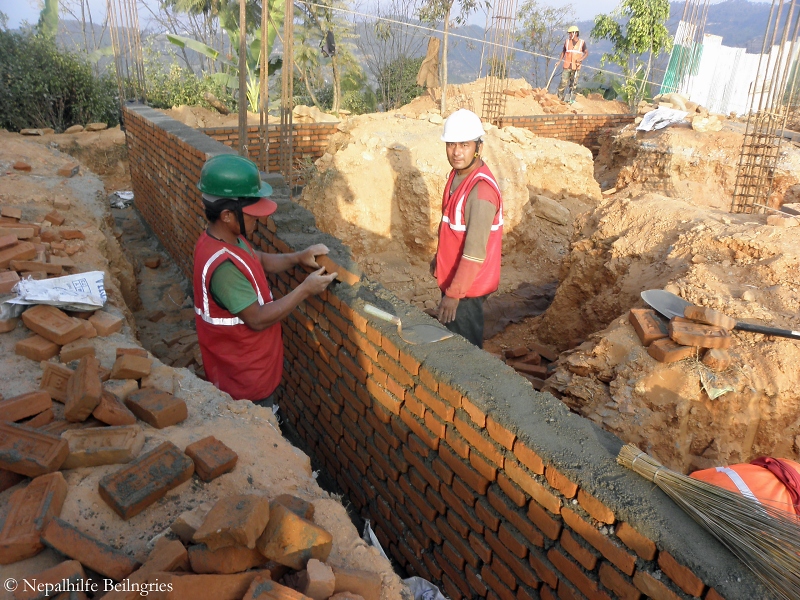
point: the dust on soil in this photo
(267, 463)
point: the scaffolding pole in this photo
(127, 45)
(494, 100)
(287, 96)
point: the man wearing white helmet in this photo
(573, 54)
(467, 261)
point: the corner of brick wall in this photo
(471, 478)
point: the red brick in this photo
(94, 446)
(478, 441)
(29, 510)
(543, 568)
(450, 394)
(481, 548)
(455, 441)
(166, 556)
(105, 323)
(469, 475)
(624, 561)
(486, 515)
(69, 572)
(211, 458)
(52, 324)
(500, 434)
(713, 595)
(7, 240)
(533, 488)
(680, 575)
(426, 435)
(111, 411)
(83, 390)
(652, 587)
(158, 409)
(542, 519)
(583, 555)
(442, 409)
(237, 520)
(644, 547)
(475, 582)
(482, 466)
(30, 452)
(520, 567)
(214, 587)
(429, 379)
(55, 378)
(43, 418)
(496, 585)
(618, 583)
(135, 487)
(91, 553)
(8, 279)
(20, 251)
(76, 350)
(292, 540)
(8, 325)
(647, 326)
(560, 482)
(476, 414)
(24, 405)
(577, 577)
(130, 366)
(595, 508)
(36, 348)
(512, 490)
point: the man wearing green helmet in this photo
(573, 54)
(238, 321)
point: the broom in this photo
(765, 538)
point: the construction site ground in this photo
(574, 262)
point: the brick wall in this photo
(471, 478)
(309, 140)
(580, 129)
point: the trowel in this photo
(416, 334)
(670, 306)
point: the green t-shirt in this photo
(230, 288)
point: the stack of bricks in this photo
(309, 141)
(580, 129)
(424, 441)
(535, 362)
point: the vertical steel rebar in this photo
(243, 78)
(263, 96)
(127, 45)
(494, 98)
(287, 95)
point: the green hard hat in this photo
(232, 176)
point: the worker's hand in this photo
(433, 266)
(307, 257)
(316, 282)
(447, 309)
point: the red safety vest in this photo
(573, 53)
(246, 363)
(453, 232)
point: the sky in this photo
(19, 10)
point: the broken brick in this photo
(130, 366)
(102, 446)
(49, 236)
(75, 350)
(35, 266)
(167, 556)
(29, 451)
(234, 520)
(69, 572)
(59, 426)
(8, 325)
(190, 521)
(717, 359)
(105, 323)
(149, 477)
(8, 279)
(687, 333)
(22, 166)
(647, 325)
(709, 316)
(300, 507)
(516, 352)
(207, 587)
(229, 559)
(121, 388)
(20, 232)
(317, 581)
(36, 348)
(157, 408)
(29, 511)
(291, 540)
(91, 553)
(153, 262)
(111, 411)
(545, 352)
(263, 588)
(24, 405)
(667, 351)
(52, 324)
(83, 390)
(211, 458)
(364, 583)
(43, 418)
(55, 218)
(66, 171)
(9, 212)
(55, 379)
(72, 234)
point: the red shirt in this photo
(246, 363)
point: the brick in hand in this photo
(29, 511)
(83, 390)
(211, 458)
(52, 324)
(149, 477)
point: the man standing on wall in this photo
(573, 54)
(467, 261)
(238, 321)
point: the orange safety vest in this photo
(754, 482)
(573, 53)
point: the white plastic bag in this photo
(82, 291)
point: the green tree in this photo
(48, 19)
(636, 29)
(436, 11)
(542, 31)
(398, 82)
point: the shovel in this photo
(416, 334)
(670, 306)
(549, 81)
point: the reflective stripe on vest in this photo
(204, 313)
(459, 224)
(743, 488)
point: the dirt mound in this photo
(680, 162)
(470, 96)
(732, 263)
(379, 189)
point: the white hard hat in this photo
(462, 126)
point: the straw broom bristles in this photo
(765, 538)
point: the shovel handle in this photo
(795, 335)
(381, 314)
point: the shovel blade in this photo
(424, 334)
(666, 303)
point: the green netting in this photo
(683, 61)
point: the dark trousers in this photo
(469, 320)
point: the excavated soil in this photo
(267, 463)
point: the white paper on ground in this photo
(660, 118)
(82, 291)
